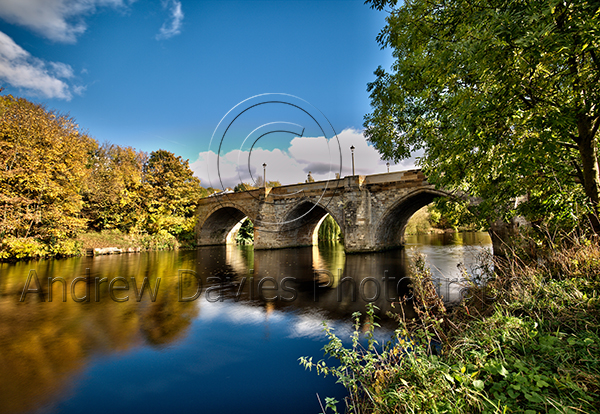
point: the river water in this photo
(222, 333)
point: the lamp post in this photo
(388, 165)
(265, 174)
(352, 150)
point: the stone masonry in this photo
(372, 211)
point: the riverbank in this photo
(127, 242)
(424, 222)
(104, 242)
(527, 342)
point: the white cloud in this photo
(21, 70)
(291, 166)
(171, 27)
(62, 70)
(79, 90)
(58, 20)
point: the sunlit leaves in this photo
(113, 191)
(502, 96)
(43, 160)
(56, 182)
(171, 193)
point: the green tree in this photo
(171, 194)
(243, 187)
(501, 96)
(329, 230)
(453, 214)
(245, 234)
(247, 187)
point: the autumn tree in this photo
(113, 190)
(171, 194)
(502, 97)
(43, 158)
(259, 183)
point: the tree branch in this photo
(578, 172)
(568, 145)
(595, 59)
(595, 127)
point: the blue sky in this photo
(162, 74)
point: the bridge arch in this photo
(390, 228)
(302, 221)
(217, 226)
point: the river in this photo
(216, 330)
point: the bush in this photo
(33, 248)
(22, 248)
(162, 240)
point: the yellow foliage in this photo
(43, 159)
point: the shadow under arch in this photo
(390, 229)
(302, 222)
(220, 224)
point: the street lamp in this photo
(388, 165)
(352, 150)
(265, 174)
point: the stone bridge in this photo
(372, 211)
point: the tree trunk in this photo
(507, 238)
(588, 151)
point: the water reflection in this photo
(257, 312)
(44, 345)
(452, 257)
(319, 278)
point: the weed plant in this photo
(527, 341)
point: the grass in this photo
(108, 238)
(114, 238)
(527, 342)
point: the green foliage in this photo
(210, 190)
(419, 223)
(245, 234)
(329, 230)
(501, 96)
(445, 213)
(247, 187)
(358, 365)
(260, 183)
(65, 247)
(243, 187)
(528, 341)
